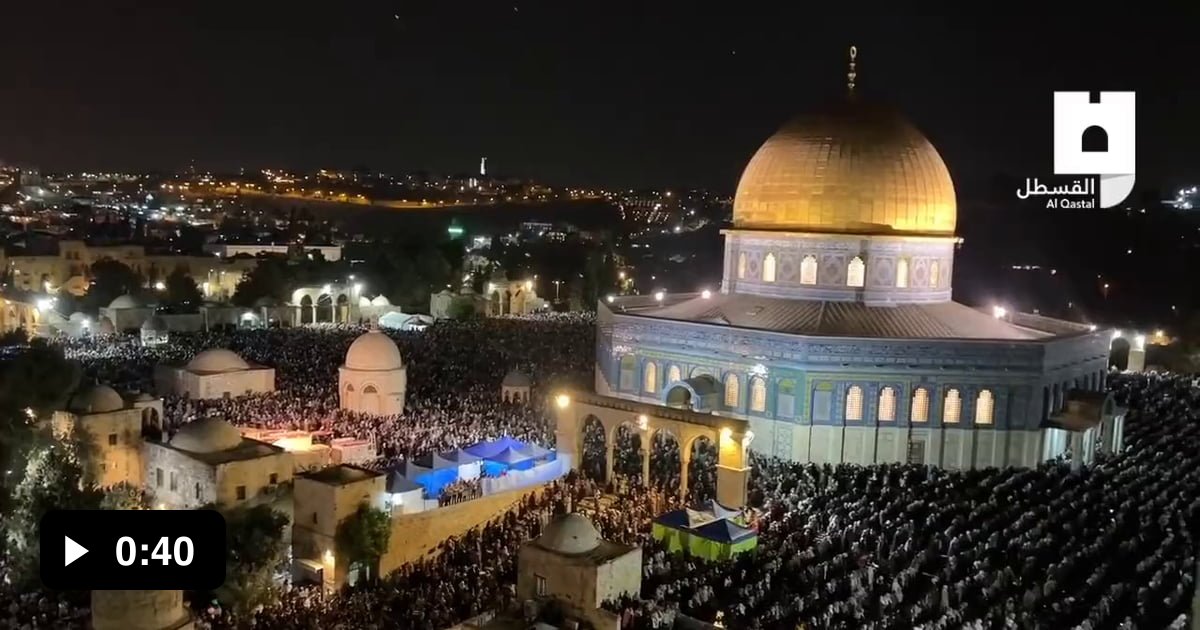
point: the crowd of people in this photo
(1106, 545)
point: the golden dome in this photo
(854, 169)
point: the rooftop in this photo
(341, 475)
(247, 450)
(944, 320)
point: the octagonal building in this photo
(834, 332)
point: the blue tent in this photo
(453, 459)
(487, 450)
(724, 531)
(397, 483)
(513, 458)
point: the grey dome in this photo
(570, 534)
(207, 435)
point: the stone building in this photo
(140, 610)
(127, 312)
(208, 461)
(70, 268)
(155, 331)
(516, 386)
(572, 566)
(115, 430)
(322, 500)
(373, 379)
(215, 373)
(834, 333)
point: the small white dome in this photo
(97, 399)
(217, 360)
(374, 351)
(207, 435)
(154, 324)
(380, 300)
(104, 326)
(570, 534)
(126, 301)
(77, 317)
(517, 378)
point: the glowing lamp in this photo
(563, 401)
(706, 294)
(659, 295)
(643, 422)
(610, 298)
(999, 312)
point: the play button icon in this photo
(72, 551)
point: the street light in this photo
(706, 294)
(557, 283)
(160, 286)
(658, 296)
(999, 312)
(562, 400)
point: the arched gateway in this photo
(573, 410)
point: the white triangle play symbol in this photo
(73, 551)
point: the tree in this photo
(269, 279)
(256, 551)
(110, 280)
(54, 478)
(363, 537)
(33, 383)
(461, 308)
(182, 294)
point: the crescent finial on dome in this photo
(852, 74)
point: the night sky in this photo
(671, 96)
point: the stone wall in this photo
(415, 536)
(188, 474)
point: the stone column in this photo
(733, 473)
(314, 308)
(685, 460)
(646, 464)
(608, 457)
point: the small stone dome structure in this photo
(570, 534)
(373, 380)
(104, 326)
(207, 435)
(155, 331)
(96, 399)
(126, 301)
(516, 386)
(380, 300)
(374, 351)
(217, 360)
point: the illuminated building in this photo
(834, 332)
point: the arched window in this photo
(627, 379)
(985, 405)
(887, 404)
(920, 405)
(854, 403)
(758, 394)
(935, 274)
(902, 273)
(731, 390)
(785, 398)
(674, 375)
(741, 265)
(808, 270)
(768, 270)
(856, 272)
(951, 407)
(650, 377)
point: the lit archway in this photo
(665, 462)
(594, 459)
(627, 451)
(702, 470)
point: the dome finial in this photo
(852, 75)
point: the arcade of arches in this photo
(622, 421)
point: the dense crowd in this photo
(1106, 546)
